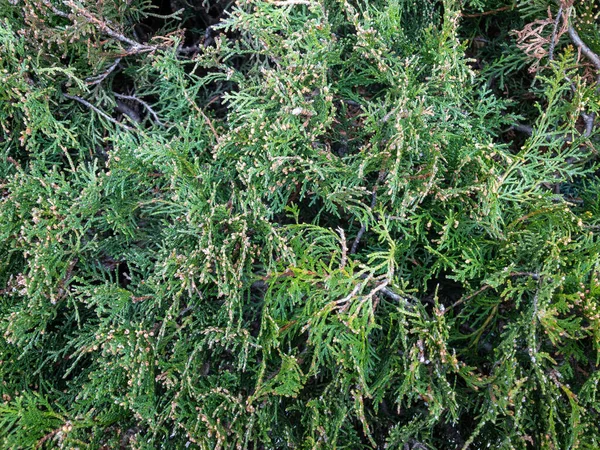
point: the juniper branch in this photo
(488, 13)
(97, 110)
(363, 227)
(129, 112)
(97, 79)
(101, 25)
(554, 33)
(588, 119)
(588, 52)
(144, 104)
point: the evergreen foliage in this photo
(299, 224)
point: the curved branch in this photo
(588, 52)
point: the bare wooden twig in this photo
(488, 13)
(175, 15)
(204, 116)
(69, 273)
(134, 47)
(359, 236)
(385, 290)
(589, 54)
(55, 10)
(97, 110)
(344, 257)
(532, 275)
(144, 104)
(554, 32)
(589, 119)
(128, 111)
(97, 79)
(391, 294)
(363, 227)
(528, 130)
(101, 25)
(469, 297)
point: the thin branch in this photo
(344, 257)
(292, 2)
(594, 59)
(129, 112)
(533, 275)
(363, 227)
(46, 437)
(14, 162)
(69, 273)
(97, 79)
(97, 110)
(391, 294)
(488, 13)
(134, 47)
(55, 10)
(526, 129)
(144, 104)
(554, 32)
(588, 119)
(359, 236)
(469, 297)
(204, 116)
(175, 15)
(189, 49)
(385, 290)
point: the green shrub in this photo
(299, 224)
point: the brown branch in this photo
(204, 116)
(14, 162)
(61, 285)
(469, 297)
(488, 13)
(46, 437)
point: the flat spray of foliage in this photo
(273, 224)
